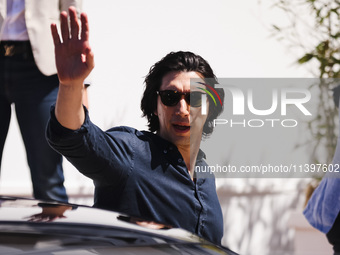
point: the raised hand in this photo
(74, 58)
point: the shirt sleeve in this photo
(324, 205)
(105, 157)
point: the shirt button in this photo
(180, 160)
(165, 151)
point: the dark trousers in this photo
(333, 236)
(32, 93)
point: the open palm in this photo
(74, 58)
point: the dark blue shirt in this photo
(141, 174)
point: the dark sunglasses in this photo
(172, 97)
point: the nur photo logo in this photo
(257, 103)
(204, 97)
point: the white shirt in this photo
(15, 25)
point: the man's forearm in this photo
(69, 106)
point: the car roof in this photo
(47, 223)
(22, 209)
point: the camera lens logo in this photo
(204, 97)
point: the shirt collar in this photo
(169, 146)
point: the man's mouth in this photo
(181, 128)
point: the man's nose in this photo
(183, 108)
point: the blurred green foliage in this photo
(312, 28)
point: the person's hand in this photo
(74, 58)
(49, 214)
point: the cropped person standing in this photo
(28, 79)
(323, 208)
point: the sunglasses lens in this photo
(169, 97)
(196, 99)
(172, 97)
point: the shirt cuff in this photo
(56, 132)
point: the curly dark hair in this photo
(178, 61)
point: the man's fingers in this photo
(64, 27)
(74, 23)
(55, 35)
(84, 27)
(89, 58)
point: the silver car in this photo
(30, 226)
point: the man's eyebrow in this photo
(171, 86)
